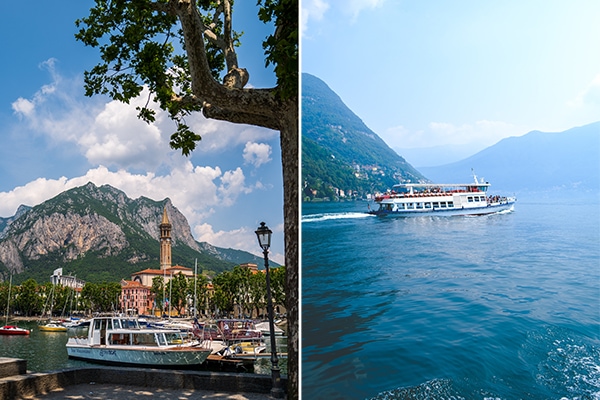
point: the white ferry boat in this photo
(121, 340)
(418, 199)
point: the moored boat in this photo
(264, 328)
(121, 340)
(420, 199)
(13, 330)
(52, 327)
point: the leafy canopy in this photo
(142, 45)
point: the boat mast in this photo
(8, 299)
(170, 297)
(195, 287)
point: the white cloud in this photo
(257, 153)
(590, 96)
(117, 137)
(206, 190)
(480, 133)
(243, 238)
(110, 133)
(315, 10)
(115, 142)
(221, 136)
(355, 7)
(312, 10)
(23, 106)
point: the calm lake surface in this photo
(46, 351)
(504, 306)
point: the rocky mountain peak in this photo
(90, 220)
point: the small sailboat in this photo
(51, 326)
(11, 329)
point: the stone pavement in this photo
(117, 392)
(128, 383)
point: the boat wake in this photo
(508, 211)
(567, 362)
(330, 216)
(441, 389)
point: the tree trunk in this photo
(289, 158)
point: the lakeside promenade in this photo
(128, 383)
(126, 392)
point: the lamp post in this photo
(264, 240)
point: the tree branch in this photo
(246, 102)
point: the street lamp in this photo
(264, 240)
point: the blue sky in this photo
(440, 80)
(54, 138)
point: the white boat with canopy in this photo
(418, 199)
(121, 340)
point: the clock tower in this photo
(165, 241)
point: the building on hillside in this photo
(146, 276)
(165, 241)
(136, 293)
(73, 282)
(252, 267)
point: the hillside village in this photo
(141, 295)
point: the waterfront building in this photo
(136, 295)
(73, 282)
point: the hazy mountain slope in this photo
(340, 151)
(535, 161)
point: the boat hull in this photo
(448, 212)
(13, 330)
(143, 356)
(45, 328)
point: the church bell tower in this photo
(165, 241)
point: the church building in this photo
(136, 296)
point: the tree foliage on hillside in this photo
(183, 52)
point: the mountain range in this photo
(100, 234)
(568, 160)
(339, 151)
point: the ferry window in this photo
(117, 323)
(419, 205)
(427, 205)
(174, 338)
(109, 323)
(128, 323)
(470, 199)
(443, 204)
(145, 339)
(401, 206)
(410, 206)
(450, 204)
(436, 204)
(119, 339)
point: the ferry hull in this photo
(447, 212)
(155, 357)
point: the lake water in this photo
(505, 306)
